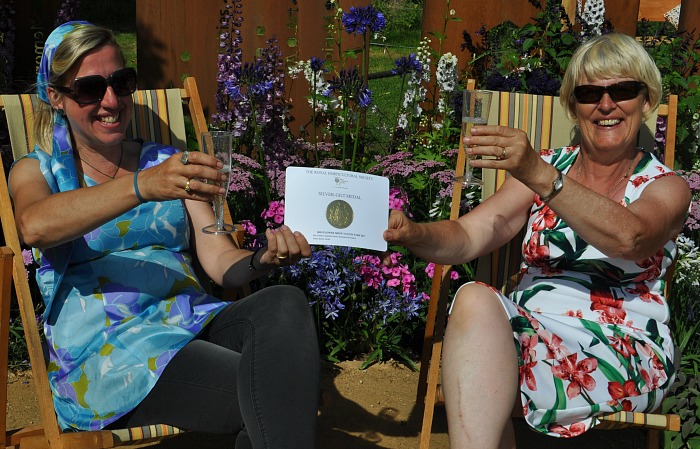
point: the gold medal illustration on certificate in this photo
(339, 214)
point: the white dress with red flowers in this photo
(591, 330)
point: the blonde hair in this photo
(84, 39)
(613, 55)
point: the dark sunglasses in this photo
(91, 89)
(622, 91)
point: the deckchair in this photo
(158, 116)
(543, 119)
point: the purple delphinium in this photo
(229, 61)
(359, 19)
(67, 12)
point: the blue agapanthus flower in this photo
(317, 64)
(359, 20)
(407, 64)
(349, 84)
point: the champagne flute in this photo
(219, 144)
(475, 111)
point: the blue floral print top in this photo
(120, 302)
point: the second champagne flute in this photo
(475, 111)
(219, 144)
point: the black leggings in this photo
(253, 371)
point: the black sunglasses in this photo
(622, 91)
(91, 89)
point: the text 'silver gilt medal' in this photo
(339, 214)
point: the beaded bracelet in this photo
(136, 186)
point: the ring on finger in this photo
(188, 189)
(185, 158)
(280, 256)
(503, 154)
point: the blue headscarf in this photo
(62, 164)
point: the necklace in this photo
(614, 186)
(119, 164)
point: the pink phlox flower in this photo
(249, 227)
(430, 270)
(274, 213)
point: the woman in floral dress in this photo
(588, 316)
(134, 338)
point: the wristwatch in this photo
(557, 185)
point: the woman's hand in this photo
(507, 149)
(401, 231)
(173, 179)
(285, 247)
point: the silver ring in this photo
(503, 155)
(185, 158)
(187, 186)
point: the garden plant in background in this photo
(362, 308)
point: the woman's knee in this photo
(474, 298)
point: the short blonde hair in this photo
(613, 55)
(84, 39)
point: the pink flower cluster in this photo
(249, 227)
(430, 271)
(28, 259)
(396, 275)
(274, 214)
(398, 199)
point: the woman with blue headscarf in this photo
(134, 338)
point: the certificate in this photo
(337, 207)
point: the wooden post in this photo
(623, 15)
(689, 19)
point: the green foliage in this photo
(531, 58)
(401, 15)
(677, 55)
(684, 400)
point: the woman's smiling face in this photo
(610, 125)
(104, 123)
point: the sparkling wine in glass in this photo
(475, 111)
(219, 144)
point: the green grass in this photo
(127, 41)
(120, 17)
(386, 92)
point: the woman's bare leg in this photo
(480, 371)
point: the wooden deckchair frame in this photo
(47, 434)
(497, 269)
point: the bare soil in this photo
(369, 409)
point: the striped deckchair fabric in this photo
(156, 111)
(540, 116)
(620, 420)
(139, 435)
(19, 112)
